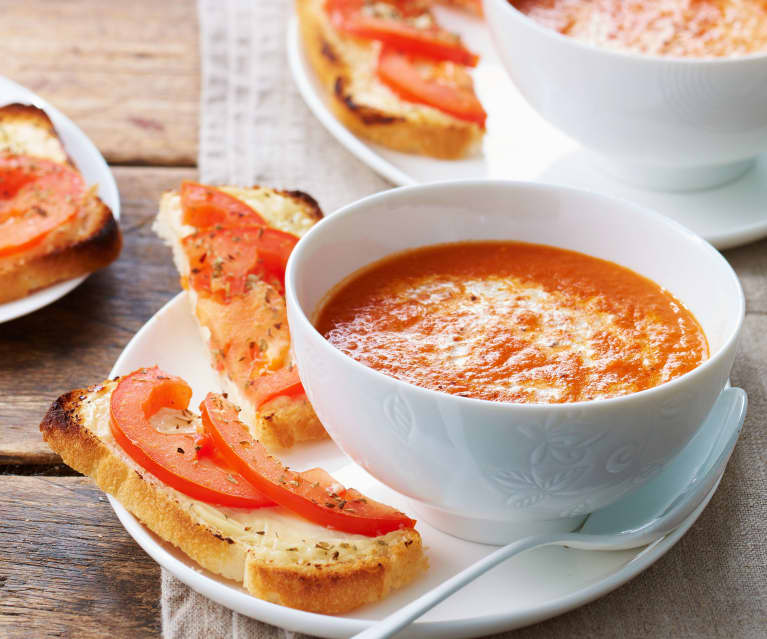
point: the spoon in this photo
(643, 516)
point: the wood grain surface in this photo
(128, 75)
(75, 341)
(67, 566)
(126, 72)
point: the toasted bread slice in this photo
(87, 242)
(276, 555)
(283, 421)
(346, 67)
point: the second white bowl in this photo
(658, 122)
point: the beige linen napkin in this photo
(256, 130)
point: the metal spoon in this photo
(645, 515)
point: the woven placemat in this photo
(256, 130)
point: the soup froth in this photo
(512, 322)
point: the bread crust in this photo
(304, 201)
(13, 115)
(90, 241)
(64, 430)
(419, 129)
(323, 588)
(285, 421)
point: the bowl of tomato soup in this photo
(668, 94)
(510, 356)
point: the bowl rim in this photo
(403, 191)
(639, 58)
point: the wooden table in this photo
(128, 74)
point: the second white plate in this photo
(520, 145)
(531, 587)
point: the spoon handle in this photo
(402, 617)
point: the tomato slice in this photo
(36, 196)
(227, 262)
(406, 26)
(475, 6)
(443, 86)
(172, 457)
(314, 495)
(205, 206)
(284, 381)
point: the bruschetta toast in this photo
(52, 226)
(393, 75)
(286, 555)
(219, 237)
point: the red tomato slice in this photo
(205, 206)
(404, 26)
(171, 457)
(36, 196)
(284, 381)
(313, 495)
(226, 262)
(444, 86)
(470, 5)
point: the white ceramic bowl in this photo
(487, 471)
(658, 122)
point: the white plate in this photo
(520, 145)
(90, 163)
(534, 586)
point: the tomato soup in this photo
(685, 28)
(512, 322)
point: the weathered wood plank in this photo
(75, 341)
(85, 579)
(126, 72)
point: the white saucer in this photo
(529, 588)
(95, 171)
(520, 145)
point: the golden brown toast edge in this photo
(30, 114)
(304, 200)
(325, 589)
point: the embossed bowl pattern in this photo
(479, 468)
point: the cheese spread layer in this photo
(684, 28)
(513, 322)
(274, 533)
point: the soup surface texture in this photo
(512, 322)
(685, 28)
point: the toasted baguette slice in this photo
(346, 67)
(282, 421)
(276, 555)
(89, 241)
